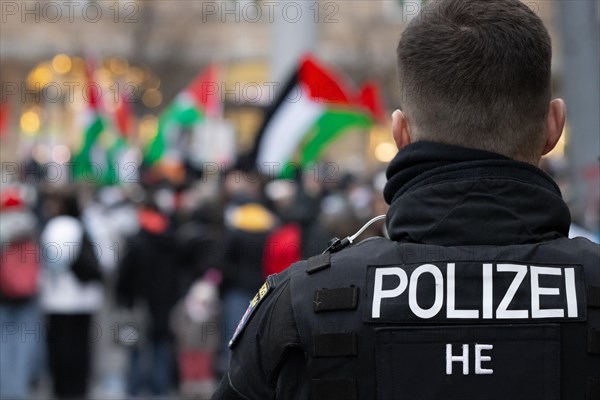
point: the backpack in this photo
(19, 270)
(86, 267)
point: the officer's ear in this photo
(557, 113)
(400, 129)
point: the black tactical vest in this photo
(454, 323)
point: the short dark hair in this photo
(477, 73)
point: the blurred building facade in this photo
(171, 41)
(175, 40)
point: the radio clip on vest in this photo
(337, 244)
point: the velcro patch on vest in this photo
(333, 389)
(593, 297)
(484, 362)
(477, 292)
(336, 299)
(335, 345)
(318, 263)
(265, 289)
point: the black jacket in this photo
(479, 295)
(149, 273)
(245, 238)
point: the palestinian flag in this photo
(86, 165)
(191, 107)
(100, 157)
(122, 167)
(313, 109)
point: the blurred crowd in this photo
(135, 290)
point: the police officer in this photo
(479, 294)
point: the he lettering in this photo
(463, 358)
(445, 292)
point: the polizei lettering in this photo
(475, 291)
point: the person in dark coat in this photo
(247, 225)
(148, 281)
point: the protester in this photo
(147, 281)
(19, 310)
(247, 224)
(71, 294)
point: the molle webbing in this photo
(333, 389)
(593, 341)
(335, 345)
(593, 389)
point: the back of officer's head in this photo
(476, 73)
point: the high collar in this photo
(450, 195)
